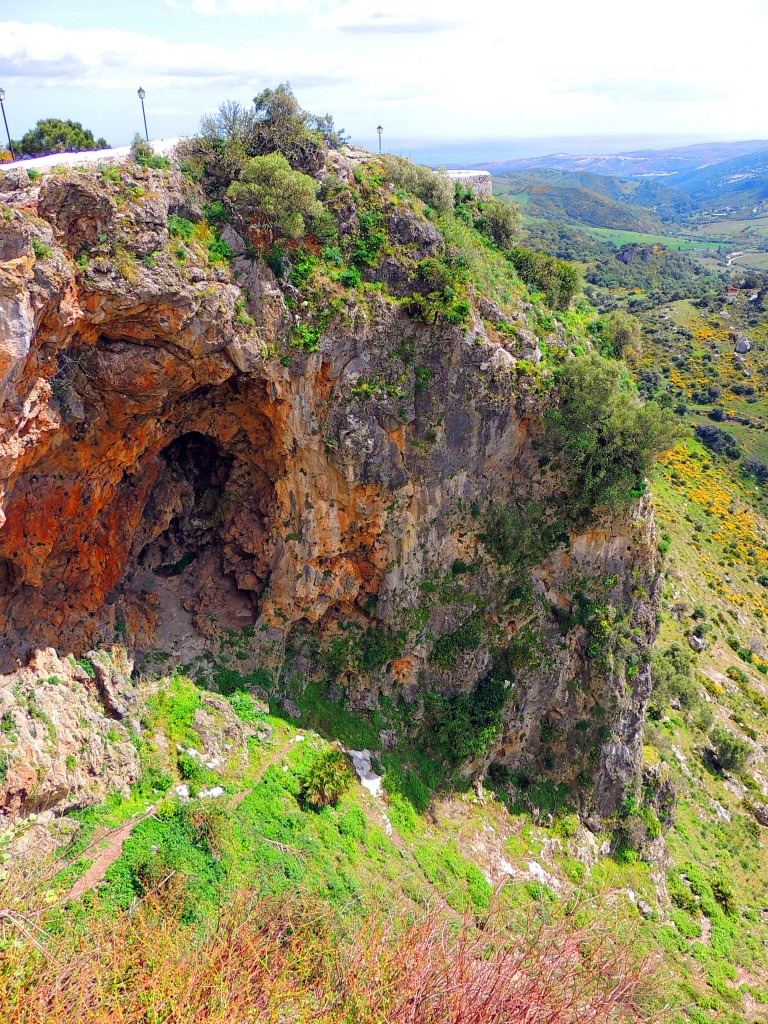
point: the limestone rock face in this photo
(175, 468)
(59, 747)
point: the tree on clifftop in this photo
(275, 198)
(275, 124)
(52, 135)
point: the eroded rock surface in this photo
(173, 466)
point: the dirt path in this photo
(115, 839)
(106, 856)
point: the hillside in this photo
(596, 200)
(638, 163)
(740, 183)
(378, 645)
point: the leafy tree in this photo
(500, 221)
(326, 779)
(730, 751)
(52, 135)
(275, 124)
(603, 437)
(273, 196)
(622, 334)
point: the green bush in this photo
(557, 279)
(462, 725)
(41, 250)
(180, 227)
(435, 190)
(274, 198)
(673, 679)
(604, 439)
(144, 155)
(326, 779)
(466, 637)
(730, 752)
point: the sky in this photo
(658, 72)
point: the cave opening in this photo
(196, 561)
(183, 511)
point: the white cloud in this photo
(116, 59)
(423, 68)
(398, 17)
(241, 7)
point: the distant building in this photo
(478, 181)
(731, 293)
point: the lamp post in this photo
(5, 120)
(142, 94)
(379, 130)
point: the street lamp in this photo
(379, 130)
(5, 119)
(142, 94)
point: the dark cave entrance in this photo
(197, 561)
(184, 505)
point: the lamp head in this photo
(379, 129)
(142, 94)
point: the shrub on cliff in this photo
(276, 123)
(275, 198)
(603, 439)
(326, 779)
(729, 750)
(500, 221)
(433, 189)
(557, 279)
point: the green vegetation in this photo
(52, 135)
(601, 437)
(557, 279)
(326, 779)
(144, 155)
(273, 198)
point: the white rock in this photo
(536, 871)
(205, 794)
(361, 762)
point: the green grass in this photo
(619, 238)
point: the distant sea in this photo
(436, 153)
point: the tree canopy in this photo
(274, 196)
(52, 135)
(276, 123)
(601, 434)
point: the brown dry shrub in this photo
(291, 962)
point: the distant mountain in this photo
(741, 182)
(597, 200)
(641, 163)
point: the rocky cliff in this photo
(195, 449)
